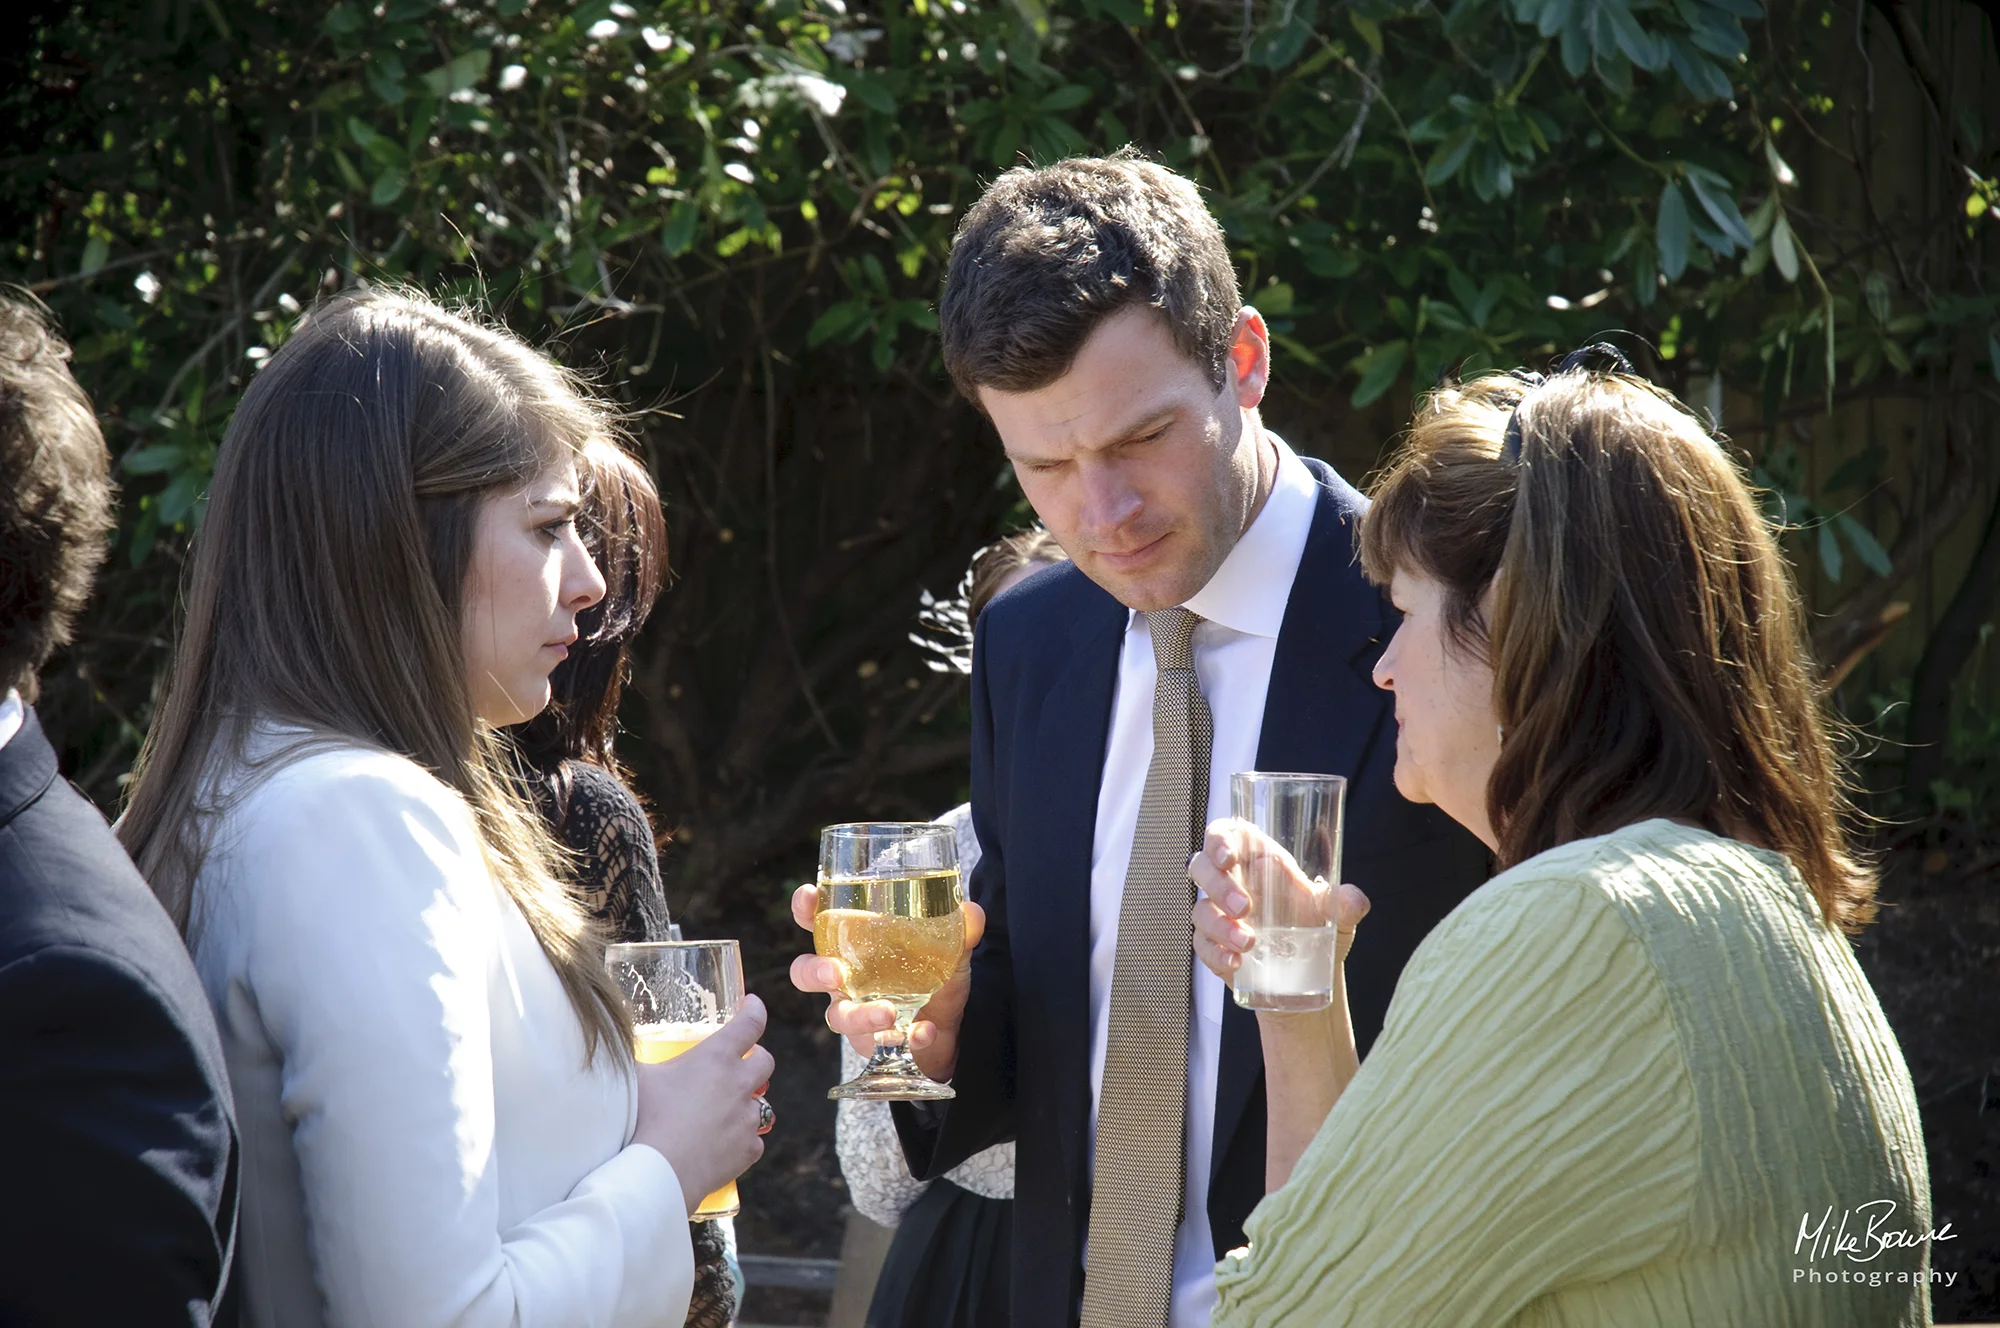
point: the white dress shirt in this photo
(12, 714)
(422, 1142)
(1243, 605)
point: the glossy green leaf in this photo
(458, 73)
(1671, 228)
(1783, 253)
(1829, 551)
(385, 75)
(1719, 203)
(1696, 70)
(156, 459)
(1866, 547)
(838, 321)
(1379, 369)
(1367, 29)
(1555, 15)
(1633, 41)
(1875, 288)
(1449, 156)
(870, 90)
(677, 237)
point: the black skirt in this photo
(948, 1264)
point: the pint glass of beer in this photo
(1289, 966)
(680, 992)
(890, 911)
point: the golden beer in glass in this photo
(680, 992)
(890, 910)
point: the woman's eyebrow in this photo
(568, 504)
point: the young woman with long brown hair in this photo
(441, 1119)
(1617, 1077)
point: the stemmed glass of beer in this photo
(680, 992)
(889, 911)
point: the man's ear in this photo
(1249, 358)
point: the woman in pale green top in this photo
(1638, 1077)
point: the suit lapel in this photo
(1321, 713)
(1061, 825)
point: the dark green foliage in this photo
(736, 214)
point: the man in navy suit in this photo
(1091, 310)
(117, 1137)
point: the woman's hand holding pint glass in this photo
(682, 994)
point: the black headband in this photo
(1608, 358)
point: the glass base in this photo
(1286, 1002)
(891, 1075)
(725, 1202)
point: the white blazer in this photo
(422, 1143)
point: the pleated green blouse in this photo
(1635, 1080)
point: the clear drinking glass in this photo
(680, 992)
(890, 911)
(1289, 966)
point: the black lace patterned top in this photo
(617, 867)
(618, 880)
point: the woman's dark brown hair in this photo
(625, 531)
(1647, 641)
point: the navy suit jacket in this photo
(1044, 675)
(117, 1135)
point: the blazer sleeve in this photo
(936, 1138)
(371, 967)
(871, 1158)
(114, 1147)
(1527, 1120)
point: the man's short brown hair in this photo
(1048, 253)
(55, 493)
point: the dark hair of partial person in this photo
(1647, 641)
(56, 496)
(625, 531)
(1004, 557)
(1049, 252)
(327, 586)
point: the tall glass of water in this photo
(680, 992)
(1289, 965)
(889, 911)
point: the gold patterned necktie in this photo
(1137, 1180)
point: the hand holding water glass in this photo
(1269, 873)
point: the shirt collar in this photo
(1248, 593)
(12, 715)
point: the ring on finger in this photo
(766, 1116)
